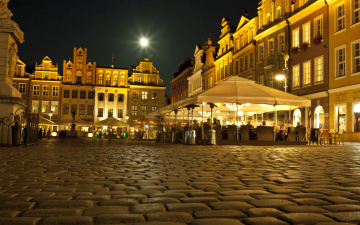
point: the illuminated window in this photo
(278, 10)
(306, 33)
(134, 110)
(35, 107)
(143, 110)
(153, 108)
(122, 81)
(101, 78)
(154, 96)
(144, 95)
(319, 69)
(115, 80)
(296, 76)
(45, 107)
(307, 72)
(296, 41)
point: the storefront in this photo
(345, 111)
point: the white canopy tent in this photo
(239, 93)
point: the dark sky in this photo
(113, 27)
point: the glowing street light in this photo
(281, 77)
(144, 42)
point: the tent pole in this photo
(202, 121)
(237, 129)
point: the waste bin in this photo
(193, 137)
(212, 134)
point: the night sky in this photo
(114, 27)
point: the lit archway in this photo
(319, 120)
(297, 117)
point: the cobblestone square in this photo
(97, 181)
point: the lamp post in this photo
(281, 77)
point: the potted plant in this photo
(304, 46)
(317, 40)
(295, 50)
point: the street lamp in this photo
(281, 77)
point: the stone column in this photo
(10, 37)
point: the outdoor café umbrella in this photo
(112, 122)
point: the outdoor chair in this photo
(244, 133)
(340, 136)
(325, 137)
(291, 134)
(314, 136)
(301, 131)
(332, 136)
(265, 133)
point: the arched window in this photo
(115, 80)
(122, 81)
(319, 117)
(297, 117)
(268, 18)
(108, 80)
(278, 10)
(101, 78)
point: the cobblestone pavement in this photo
(144, 183)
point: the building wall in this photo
(146, 91)
(344, 87)
(315, 55)
(208, 68)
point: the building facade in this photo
(344, 68)
(195, 80)
(224, 59)
(146, 91)
(272, 42)
(111, 92)
(179, 83)
(78, 94)
(309, 61)
(208, 68)
(244, 48)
